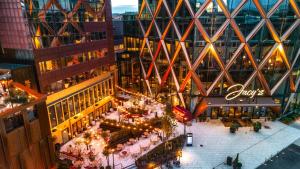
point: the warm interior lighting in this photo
(37, 42)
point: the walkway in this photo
(218, 143)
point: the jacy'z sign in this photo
(238, 90)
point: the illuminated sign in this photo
(239, 90)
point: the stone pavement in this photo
(218, 143)
(288, 158)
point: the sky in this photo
(121, 6)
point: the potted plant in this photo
(236, 163)
(256, 126)
(233, 127)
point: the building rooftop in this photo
(16, 97)
(11, 66)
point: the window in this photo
(59, 113)
(87, 99)
(76, 102)
(71, 106)
(49, 65)
(65, 109)
(92, 96)
(81, 95)
(52, 115)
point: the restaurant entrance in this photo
(237, 112)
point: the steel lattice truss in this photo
(210, 47)
(68, 17)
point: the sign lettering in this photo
(239, 90)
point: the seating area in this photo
(117, 134)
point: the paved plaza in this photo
(213, 143)
(288, 158)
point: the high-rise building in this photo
(69, 45)
(222, 58)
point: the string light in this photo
(132, 93)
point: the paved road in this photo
(288, 158)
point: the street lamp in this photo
(184, 125)
(179, 154)
(112, 151)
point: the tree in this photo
(167, 125)
(236, 163)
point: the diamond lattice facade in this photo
(69, 44)
(193, 52)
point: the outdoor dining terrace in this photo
(129, 130)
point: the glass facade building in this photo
(193, 52)
(69, 44)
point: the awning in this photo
(182, 114)
(207, 102)
(241, 102)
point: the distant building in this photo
(129, 37)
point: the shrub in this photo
(256, 126)
(233, 127)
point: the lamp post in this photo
(179, 154)
(184, 125)
(112, 151)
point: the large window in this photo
(71, 106)
(78, 102)
(59, 112)
(49, 65)
(52, 116)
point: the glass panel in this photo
(71, 106)
(51, 112)
(59, 113)
(95, 93)
(81, 101)
(92, 96)
(65, 109)
(76, 100)
(87, 99)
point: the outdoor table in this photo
(145, 145)
(119, 147)
(78, 163)
(132, 140)
(135, 149)
(95, 163)
(69, 149)
(146, 134)
(124, 153)
(128, 143)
